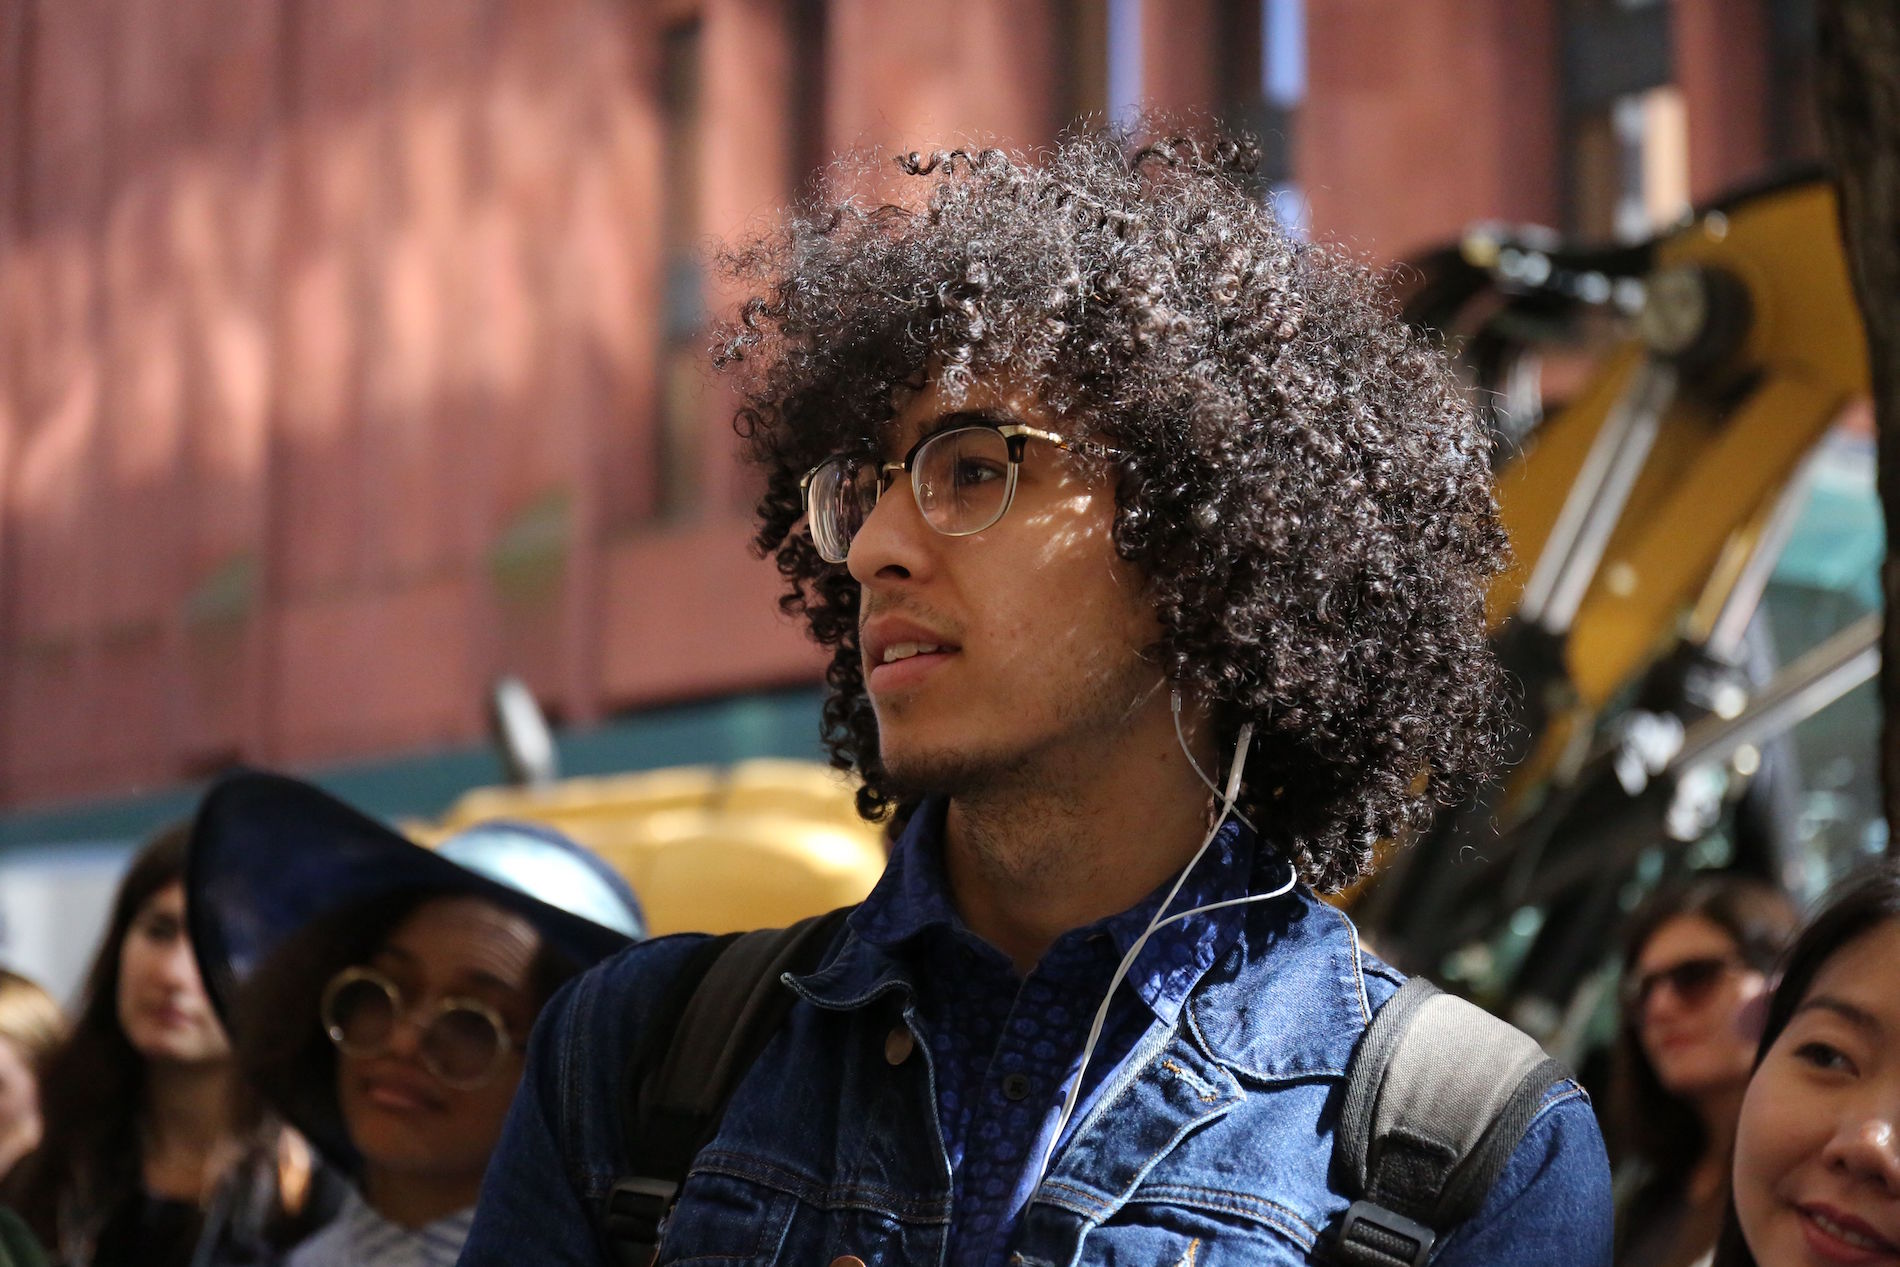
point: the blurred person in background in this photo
(1817, 1149)
(1696, 965)
(381, 993)
(153, 1152)
(30, 1028)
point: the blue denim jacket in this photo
(1211, 1143)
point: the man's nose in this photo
(894, 542)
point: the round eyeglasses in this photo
(963, 477)
(462, 1041)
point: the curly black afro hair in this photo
(1304, 487)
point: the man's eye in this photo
(1824, 1056)
(977, 471)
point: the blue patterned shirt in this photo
(1004, 1049)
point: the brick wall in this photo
(332, 332)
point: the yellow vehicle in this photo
(1647, 514)
(756, 844)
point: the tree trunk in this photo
(1859, 77)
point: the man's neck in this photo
(1074, 839)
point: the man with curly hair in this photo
(1151, 553)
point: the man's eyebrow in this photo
(1858, 1017)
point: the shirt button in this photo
(847, 1260)
(1016, 1086)
(898, 1045)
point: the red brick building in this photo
(351, 353)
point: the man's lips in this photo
(889, 641)
(1840, 1237)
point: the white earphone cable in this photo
(1162, 918)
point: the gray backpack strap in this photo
(1438, 1095)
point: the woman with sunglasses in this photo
(1696, 965)
(1817, 1147)
(381, 994)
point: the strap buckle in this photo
(1372, 1229)
(634, 1211)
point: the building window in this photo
(807, 143)
(1627, 127)
(679, 463)
(1081, 70)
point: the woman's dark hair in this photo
(275, 1021)
(1855, 908)
(1650, 1123)
(93, 1087)
(1302, 485)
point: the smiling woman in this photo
(1817, 1151)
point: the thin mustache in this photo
(868, 612)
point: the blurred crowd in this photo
(301, 1033)
(297, 1041)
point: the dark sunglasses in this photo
(1692, 981)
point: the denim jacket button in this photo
(898, 1045)
(847, 1260)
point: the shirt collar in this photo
(371, 1237)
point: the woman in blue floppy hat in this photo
(380, 994)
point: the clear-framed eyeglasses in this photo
(963, 477)
(462, 1041)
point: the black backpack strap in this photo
(1438, 1095)
(711, 1025)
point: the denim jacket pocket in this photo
(722, 1220)
(1171, 1227)
(743, 1210)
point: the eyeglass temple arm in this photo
(1088, 447)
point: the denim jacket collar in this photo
(911, 901)
(1287, 1002)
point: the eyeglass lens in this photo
(961, 479)
(459, 1044)
(1692, 981)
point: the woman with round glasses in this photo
(380, 994)
(1696, 965)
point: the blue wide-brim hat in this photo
(269, 854)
